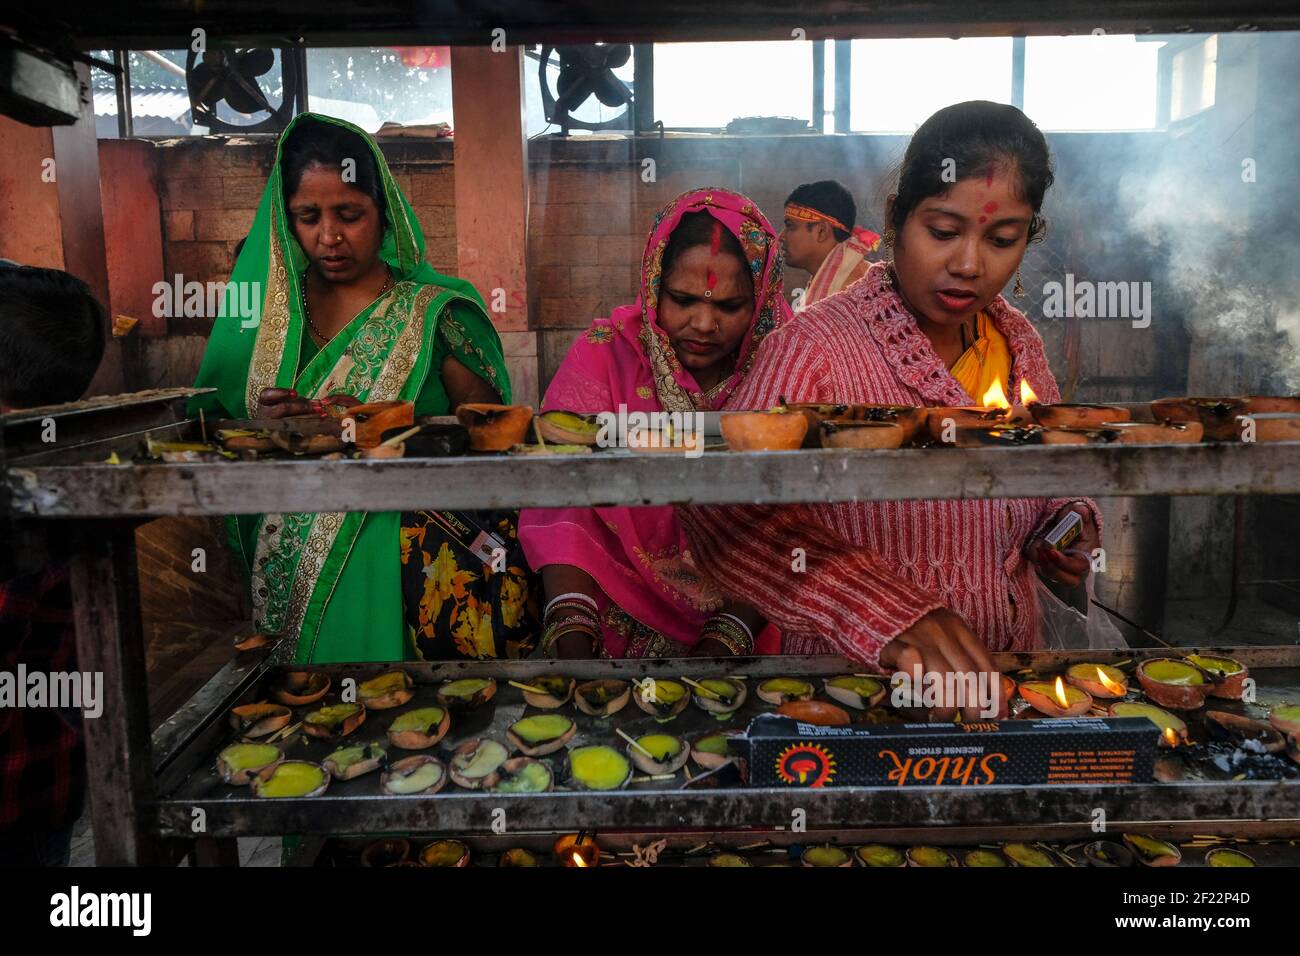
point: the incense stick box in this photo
(784, 752)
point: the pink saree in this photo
(654, 600)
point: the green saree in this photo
(331, 581)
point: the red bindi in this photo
(990, 207)
(984, 219)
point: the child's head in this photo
(51, 337)
(969, 199)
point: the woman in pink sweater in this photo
(904, 583)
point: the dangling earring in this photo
(889, 237)
(1019, 289)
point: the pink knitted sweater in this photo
(873, 569)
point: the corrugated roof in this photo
(168, 103)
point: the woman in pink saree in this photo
(620, 582)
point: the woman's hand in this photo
(1071, 566)
(286, 403)
(940, 643)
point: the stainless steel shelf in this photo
(498, 481)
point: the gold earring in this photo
(889, 237)
(1019, 288)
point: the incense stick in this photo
(702, 689)
(1113, 613)
(528, 687)
(632, 742)
(399, 438)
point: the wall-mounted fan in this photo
(584, 71)
(245, 81)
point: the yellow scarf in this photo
(988, 360)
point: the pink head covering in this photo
(640, 556)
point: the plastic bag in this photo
(1063, 628)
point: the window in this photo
(897, 84)
(160, 105)
(1091, 82)
(370, 87)
(707, 85)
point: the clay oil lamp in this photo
(664, 440)
(1067, 415)
(260, 719)
(994, 411)
(576, 850)
(386, 691)
(387, 852)
(1023, 854)
(815, 712)
(660, 698)
(1272, 426)
(710, 750)
(878, 854)
(546, 692)
(658, 753)
(1173, 683)
(983, 858)
(1216, 416)
(417, 775)
(602, 698)
(910, 418)
(568, 428)
(929, 856)
(1056, 699)
(826, 854)
(1243, 731)
(291, 778)
(296, 688)
(476, 764)
(1227, 856)
(598, 767)
(1152, 852)
(495, 427)
(1286, 719)
(1100, 681)
(1173, 732)
(815, 413)
(842, 433)
(523, 775)
(720, 696)
(1104, 853)
(782, 690)
(238, 764)
(419, 729)
(773, 430)
(334, 720)
(855, 690)
(445, 853)
(1227, 677)
(541, 734)
(517, 856)
(348, 762)
(466, 693)
(1009, 436)
(728, 859)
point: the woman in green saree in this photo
(349, 308)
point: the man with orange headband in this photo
(820, 238)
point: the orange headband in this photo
(808, 214)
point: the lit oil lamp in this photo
(1173, 731)
(577, 850)
(1100, 680)
(1056, 700)
(994, 411)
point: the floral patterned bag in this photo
(467, 590)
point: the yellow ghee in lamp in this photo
(599, 767)
(293, 779)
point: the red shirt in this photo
(875, 568)
(42, 763)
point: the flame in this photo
(995, 397)
(1114, 687)
(578, 860)
(1060, 692)
(1027, 396)
(1171, 738)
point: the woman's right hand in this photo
(941, 643)
(282, 403)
